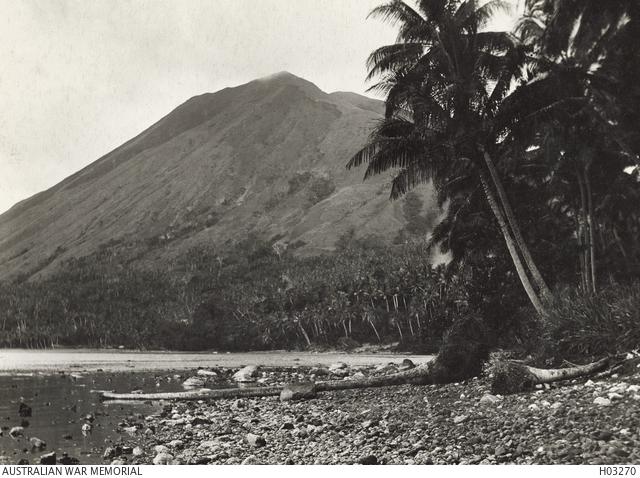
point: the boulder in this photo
(163, 459)
(24, 410)
(68, 460)
(255, 440)
(193, 382)
(337, 366)
(159, 449)
(603, 402)
(246, 374)
(488, 399)
(48, 459)
(251, 460)
(407, 365)
(207, 373)
(298, 391)
(37, 443)
(16, 432)
(137, 451)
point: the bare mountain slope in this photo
(266, 157)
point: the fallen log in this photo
(421, 374)
(513, 377)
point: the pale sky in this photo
(80, 77)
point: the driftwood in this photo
(508, 377)
(416, 375)
(512, 377)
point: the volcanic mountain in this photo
(267, 157)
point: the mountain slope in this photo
(266, 157)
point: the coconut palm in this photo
(444, 80)
(574, 105)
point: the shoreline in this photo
(14, 361)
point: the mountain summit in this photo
(267, 157)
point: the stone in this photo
(604, 435)
(161, 449)
(251, 460)
(407, 365)
(24, 410)
(193, 382)
(16, 432)
(48, 459)
(460, 419)
(176, 444)
(298, 391)
(200, 421)
(255, 440)
(37, 443)
(319, 371)
(137, 451)
(163, 459)
(337, 366)
(207, 373)
(368, 460)
(287, 426)
(603, 402)
(488, 399)
(68, 460)
(246, 374)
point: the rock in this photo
(16, 432)
(368, 460)
(488, 399)
(118, 461)
(37, 443)
(460, 419)
(161, 449)
(287, 426)
(255, 440)
(337, 366)
(86, 428)
(207, 373)
(176, 444)
(604, 435)
(407, 365)
(24, 410)
(163, 459)
(246, 374)
(500, 450)
(319, 371)
(48, 459)
(200, 421)
(130, 430)
(23, 461)
(603, 402)
(614, 396)
(298, 391)
(109, 452)
(137, 451)
(193, 382)
(68, 460)
(251, 460)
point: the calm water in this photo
(60, 403)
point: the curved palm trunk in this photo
(542, 286)
(522, 274)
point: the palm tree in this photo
(444, 80)
(570, 106)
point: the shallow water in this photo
(60, 403)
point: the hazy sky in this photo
(80, 77)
